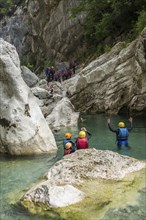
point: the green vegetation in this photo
(110, 21)
(7, 6)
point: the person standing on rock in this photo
(69, 145)
(82, 142)
(122, 133)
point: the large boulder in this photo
(91, 164)
(29, 77)
(113, 81)
(63, 115)
(23, 128)
(85, 175)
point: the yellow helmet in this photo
(121, 124)
(82, 134)
(68, 135)
(68, 145)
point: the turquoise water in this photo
(17, 174)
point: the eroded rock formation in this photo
(113, 81)
(23, 128)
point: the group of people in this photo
(82, 142)
(60, 72)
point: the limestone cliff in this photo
(43, 31)
(114, 81)
(23, 129)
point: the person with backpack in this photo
(48, 74)
(122, 133)
(68, 144)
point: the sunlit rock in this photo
(23, 128)
(54, 196)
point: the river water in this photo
(17, 174)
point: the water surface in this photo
(17, 174)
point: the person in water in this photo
(82, 142)
(122, 133)
(68, 144)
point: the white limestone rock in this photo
(23, 128)
(29, 77)
(53, 196)
(76, 169)
(63, 115)
(114, 80)
(92, 164)
(40, 93)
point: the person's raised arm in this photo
(109, 126)
(131, 125)
(87, 132)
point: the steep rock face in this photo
(15, 30)
(113, 81)
(46, 30)
(24, 130)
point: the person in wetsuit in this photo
(82, 142)
(122, 133)
(68, 144)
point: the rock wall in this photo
(23, 129)
(43, 31)
(114, 81)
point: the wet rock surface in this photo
(89, 171)
(90, 164)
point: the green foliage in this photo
(5, 6)
(30, 66)
(107, 20)
(141, 22)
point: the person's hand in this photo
(130, 119)
(108, 120)
(83, 129)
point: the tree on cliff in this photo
(7, 6)
(109, 21)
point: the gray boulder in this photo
(92, 163)
(85, 168)
(24, 130)
(29, 77)
(63, 115)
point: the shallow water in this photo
(17, 174)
